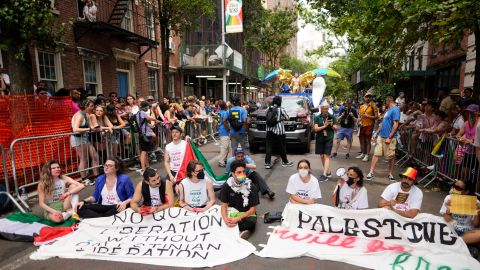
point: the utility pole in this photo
(224, 70)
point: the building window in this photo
(91, 71)
(127, 18)
(49, 69)
(150, 21)
(153, 83)
(420, 58)
(411, 61)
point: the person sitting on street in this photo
(403, 197)
(196, 190)
(241, 193)
(57, 193)
(352, 194)
(155, 194)
(466, 226)
(257, 179)
(113, 193)
(302, 186)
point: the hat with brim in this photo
(410, 173)
(239, 150)
(455, 92)
(368, 93)
(176, 127)
(472, 108)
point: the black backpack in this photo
(272, 116)
(234, 120)
(6, 205)
(132, 122)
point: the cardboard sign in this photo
(463, 205)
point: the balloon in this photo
(318, 90)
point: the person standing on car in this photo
(347, 119)
(325, 126)
(237, 120)
(275, 117)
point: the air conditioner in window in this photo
(171, 45)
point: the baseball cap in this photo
(238, 150)
(177, 127)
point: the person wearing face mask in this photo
(196, 190)
(153, 193)
(352, 194)
(302, 186)
(465, 225)
(403, 197)
(240, 193)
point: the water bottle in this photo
(373, 142)
(23, 194)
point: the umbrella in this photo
(327, 71)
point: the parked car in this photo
(298, 129)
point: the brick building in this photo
(117, 52)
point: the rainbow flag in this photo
(192, 153)
(233, 16)
(439, 149)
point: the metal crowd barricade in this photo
(201, 130)
(404, 146)
(7, 191)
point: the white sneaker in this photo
(365, 158)
(360, 156)
(431, 167)
(141, 172)
(369, 177)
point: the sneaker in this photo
(89, 182)
(288, 164)
(431, 167)
(322, 178)
(369, 176)
(360, 156)
(133, 168)
(245, 234)
(141, 171)
(365, 158)
(347, 156)
(329, 175)
(221, 165)
(391, 178)
(268, 166)
(333, 155)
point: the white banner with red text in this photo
(174, 237)
(371, 238)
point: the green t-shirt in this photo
(320, 136)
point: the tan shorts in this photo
(386, 150)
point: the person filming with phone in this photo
(325, 127)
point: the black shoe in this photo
(347, 156)
(333, 155)
(268, 166)
(322, 178)
(271, 194)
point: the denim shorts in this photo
(345, 133)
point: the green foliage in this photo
(181, 15)
(296, 65)
(23, 22)
(272, 31)
(385, 31)
(340, 88)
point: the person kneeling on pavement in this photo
(239, 192)
(155, 193)
(351, 194)
(302, 186)
(196, 191)
(113, 193)
(466, 226)
(257, 179)
(403, 197)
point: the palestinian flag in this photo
(192, 152)
(24, 226)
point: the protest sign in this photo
(463, 205)
(372, 238)
(174, 237)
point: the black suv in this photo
(298, 129)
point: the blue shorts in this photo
(345, 133)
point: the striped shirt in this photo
(279, 128)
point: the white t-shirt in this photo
(110, 197)
(196, 194)
(359, 197)
(155, 199)
(309, 190)
(176, 152)
(414, 196)
(58, 190)
(463, 223)
(458, 123)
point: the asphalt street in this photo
(14, 255)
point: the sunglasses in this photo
(109, 165)
(458, 188)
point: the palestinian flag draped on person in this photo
(192, 153)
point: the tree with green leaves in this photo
(385, 31)
(271, 32)
(24, 23)
(175, 17)
(296, 65)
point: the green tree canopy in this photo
(296, 65)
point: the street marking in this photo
(24, 259)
